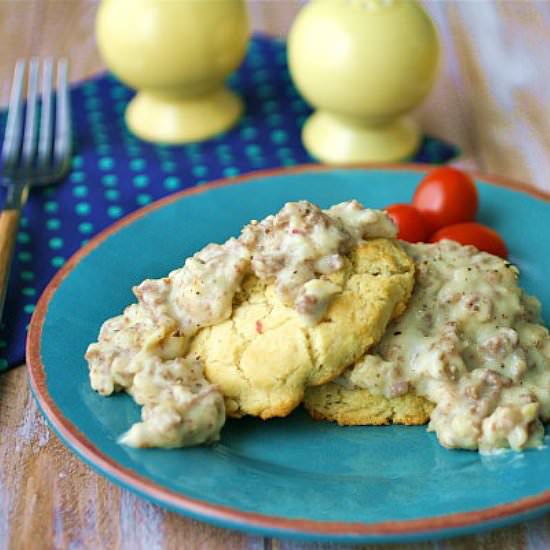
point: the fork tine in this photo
(12, 137)
(62, 146)
(46, 120)
(29, 136)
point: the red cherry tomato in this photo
(446, 196)
(482, 237)
(410, 223)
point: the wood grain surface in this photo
(492, 99)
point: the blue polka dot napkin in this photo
(114, 173)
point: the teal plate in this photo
(290, 477)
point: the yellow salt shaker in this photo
(363, 64)
(177, 54)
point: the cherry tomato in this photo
(482, 237)
(410, 223)
(446, 196)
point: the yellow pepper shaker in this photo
(177, 54)
(363, 64)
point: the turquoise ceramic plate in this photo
(287, 477)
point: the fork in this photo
(32, 155)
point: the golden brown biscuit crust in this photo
(358, 407)
(264, 356)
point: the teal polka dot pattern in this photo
(104, 149)
(169, 166)
(172, 183)
(118, 92)
(223, 149)
(113, 172)
(299, 105)
(279, 137)
(51, 207)
(90, 88)
(270, 107)
(109, 180)
(77, 162)
(226, 159)
(137, 164)
(102, 139)
(83, 208)
(194, 156)
(112, 194)
(274, 119)
(260, 75)
(57, 261)
(77, 177)
(86, 227)
(23, 237)
(141, 181)
(56, 243)
(248, 133)
(106, 163)
(253, 150)
(231, 171)
(194, 148)
(143, 198)
(114, 211)
(92, 103)
(53, 224)
(265, 90)
(80, 191)
(255, 59)
(283, 152)
(95, 116)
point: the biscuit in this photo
(265, 356)
(356, 406)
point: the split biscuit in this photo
(265, 356)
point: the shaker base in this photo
(335, 141)
(182, 120)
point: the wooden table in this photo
(493, 99)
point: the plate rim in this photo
(224, 515)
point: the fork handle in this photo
(9, 222)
